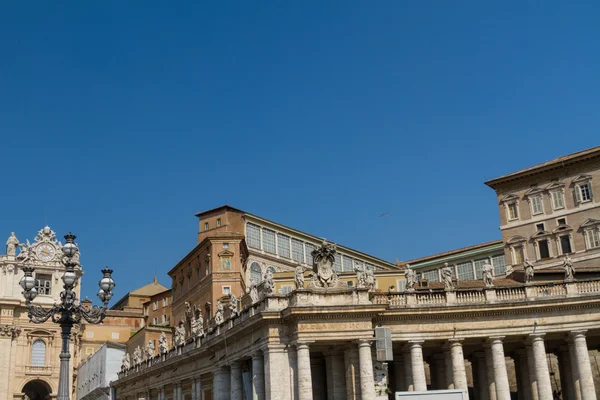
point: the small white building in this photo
(97, 371)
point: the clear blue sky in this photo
(121, 120)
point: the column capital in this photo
(536, 337)
(577, 334)
(454, 342)
(495, 339)
(274, 348)
(302, 344)
(364, 342)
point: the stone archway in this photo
(37, 390)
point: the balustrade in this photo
(470, 296)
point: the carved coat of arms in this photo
(323, 259)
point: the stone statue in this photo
(269, 282)
(126, 363)
(447, 277)
(219, 313)
(361, 281)
(233, 304)
(137, 355)
(179, 335)
(410, 276)
(487, 273)
(197, 323)
(370, 280)
(188, 315)
(26, 252)
(11, 245)
(299, 277)
(568, 267)
(323, 274)
(163, 347)
(150, 350)
(253, 291)
(529, 271)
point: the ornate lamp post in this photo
(68, 312)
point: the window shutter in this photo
(577, 194)
(591, 192)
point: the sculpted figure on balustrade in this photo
(163, 347)
(253, 291)
(299, 277)
(487, 274)
(529, 271)
(219, 313)
(568, 267)
(447, 275)
(126, 362)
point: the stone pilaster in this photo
(277, 384)
(566, 373)
(418, 366)
(235, 381)
(500, 374)
(491, 377)
(583, 366)
(258, 377)
(221, 383)
(304, 373)
(542, 375)
(352, 373)
(408, 376)
(480, 376)
(336, 379)
(533, 389)
(367, 384)
(459, 373)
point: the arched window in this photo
(38, 353)
(272, 269)
(255, 273)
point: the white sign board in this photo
(432, 395)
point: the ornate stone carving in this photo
(163, 347)
(269, 285)
(233, 304)
(11, 245)
(188, 316)
(487, 274)
(529, 271)
(447, 275)
(197, 325)
(219, 313)
(568, 267)
(299, 277)
(149, 350)
(364, 278)
(323, 275)
(410, 276)
(253, 291)
(10, 331)
(126, 362)
(137, 355)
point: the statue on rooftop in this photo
(568, 267)
(197, 323)
(269, 282)
(137, 355)
(126, 362)
(487, 274)
(529, 271)
(163, 347)
(447, 275)
(299, 277)
(11, 245)
(179, 334)
(219, 313)
(150, 350)
(410, 276)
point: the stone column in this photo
(480, 376)
(176, 390)
(491, 377)
(448, 370)
(521, 364)
(352, 374)
(367, 385)
(408, 375)
(542, 375)
(459, 373)
(531, 372)
(235, 383)
(418, 367)
(258, 377)
(500, 374)
(304, 374)
(399, 379)
(584, 369)
(221, 382)
(277, 384)
(566, 373)
(574, 371)
(336, 380)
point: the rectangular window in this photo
(499, 262)
(512, 211)
(309, 249)
(225, 245)
(350, 284)
(226, 289)
(218, 222)
(565, 244)
(540, 227)
(164, 319)
(115, 335)
(206, 226)
(558, 199)
(519, 256)
(347, 264)
(283, 245)
(155, 305)
(337, 265)
(297, 250)
(154, 321)
(536, 205)
(465, 271)
(285, 289)
(400, 285)
(198, 275)
(89, 334)
(166, 299)
(593, 238)
(181, 288)
(432, 276)
(583, 192)
(253, 235)
(479, 267)
(43, 284)
(146, 310)
(544, 249)
(561, 221)
(268, 241)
